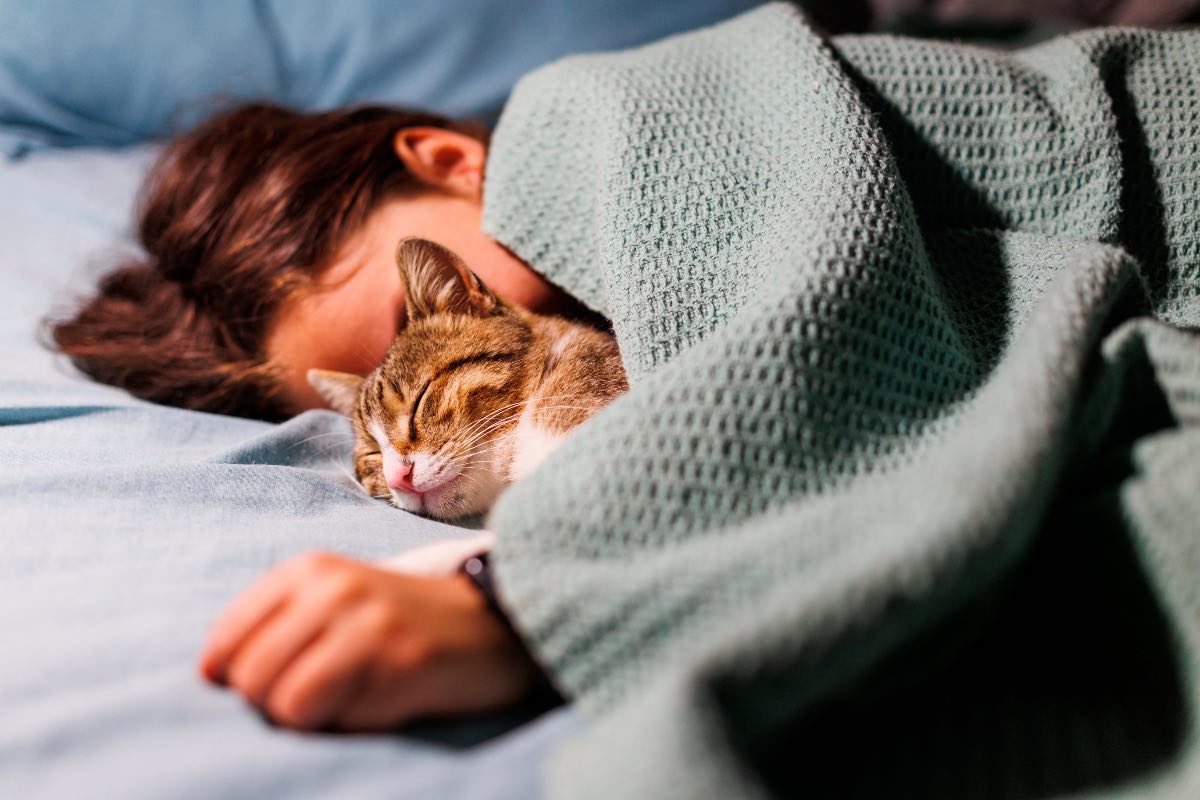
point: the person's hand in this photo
(323, 641)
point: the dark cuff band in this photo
(543, 695)
(476, 568)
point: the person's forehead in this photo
(344, 322)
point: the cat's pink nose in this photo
(402, 478)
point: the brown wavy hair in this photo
(235, 216)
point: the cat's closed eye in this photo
(416, 409)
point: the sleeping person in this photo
(895, 317)
(270, 240)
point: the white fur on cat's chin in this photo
(406, 501)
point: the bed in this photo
(125, 527)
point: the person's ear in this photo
(442, 159)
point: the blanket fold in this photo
(905, 328)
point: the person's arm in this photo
(443, 557)
(328, 642)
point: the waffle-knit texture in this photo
(903, 500)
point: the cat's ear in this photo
(437, 281)
(340, 389)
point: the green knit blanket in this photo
(904, 499)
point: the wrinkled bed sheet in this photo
(125, 527)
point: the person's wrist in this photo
(476, 571)
(464, 592)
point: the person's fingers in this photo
(386, 699)
(368, 711)
(250, 610)
(315, 686)
(263, 656)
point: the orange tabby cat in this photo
(473, 394)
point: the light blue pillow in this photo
(116, 72)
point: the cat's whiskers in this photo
(480, 453)
(555, 408)
(485, 447)
(508, 419)
(474, 434)
(321, 451)
(354, 479)
(480, 435)
(346, 434)
(489, 416)
(328, 449)
(475, 459)
(486, 418)
(480, 438)
(473, 479)
(472, 464)
(475, 425)
(470, 448)
(480, 448)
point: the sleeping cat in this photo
(473, 394)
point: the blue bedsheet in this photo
(125, 527)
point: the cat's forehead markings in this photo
(378, 430)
